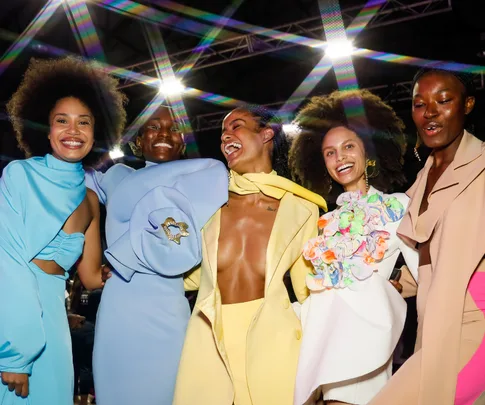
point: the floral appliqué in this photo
(351, 240)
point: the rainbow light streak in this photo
(83, 29)
(212, 98)
(165, 72)
(364, 17)
(28, 34)
(239, 25)
(325, 64)
(150, 15)
(147, 112)
(333, 25)
(411, 60)
(191, 61)
(209, 39)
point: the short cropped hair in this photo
(269, 119)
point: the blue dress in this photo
(143, 314)
(37, 196)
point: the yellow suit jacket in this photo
(274, 336)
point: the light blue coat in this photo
(143, 313)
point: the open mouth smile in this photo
(346, 168)
(432, 128)
(162, 145)
(232, 147)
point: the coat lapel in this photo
(210, 240)
(292, 216)
(461, 172)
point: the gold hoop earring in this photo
(135, 149)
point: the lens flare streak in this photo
(83, 29)
(29, 33)
(325, 64)
(159, 54)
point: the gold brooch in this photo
(182, 226)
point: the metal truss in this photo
(249, 45)
(392, 94)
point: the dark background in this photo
(263, 72)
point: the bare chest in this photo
(244, 236)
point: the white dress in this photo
(349, 334)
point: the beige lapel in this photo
(291, 218)
(459, 174)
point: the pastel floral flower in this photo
(352, 240)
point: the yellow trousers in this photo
(236, 319)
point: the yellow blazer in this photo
(274, 336)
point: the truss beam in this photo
(250, 45)
(394, 93)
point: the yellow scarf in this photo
(271, 185)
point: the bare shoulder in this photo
(93, 200)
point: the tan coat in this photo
(455, 221)
(273, 339)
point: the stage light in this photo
(339, 49)
(171, 87)
(291, 130)
(116, 153)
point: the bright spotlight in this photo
(339, 49)
(171, 87)
(291, 130)
(116, 153)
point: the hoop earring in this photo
(135, 149)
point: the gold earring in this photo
(367, 175)
(135, 149)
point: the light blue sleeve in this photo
(190, 202)
(103, 184)
(22, 336)
(95, 181)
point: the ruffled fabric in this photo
(352, 240)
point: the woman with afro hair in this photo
(49, 221)
(348, 150)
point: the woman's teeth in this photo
(344, 167)
(230, 148)
(162, 145)
(72, 144)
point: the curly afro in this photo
(45, 83)
(370, 118)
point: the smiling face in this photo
(246, 146)
(440, 108)
(71, 130)
(161, 139)
(345, 158)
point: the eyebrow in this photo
(343, 143)
(237, 119)
(439, 91)
(66, 115)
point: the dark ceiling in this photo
(245, 65)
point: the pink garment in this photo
(471, 379)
